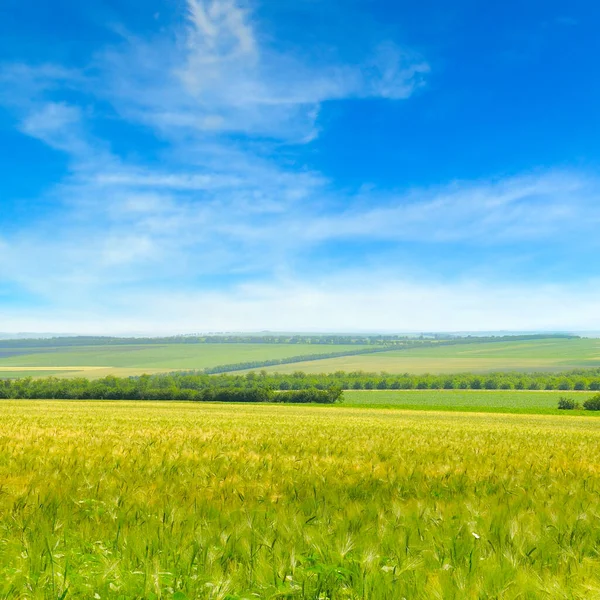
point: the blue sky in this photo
(209, 165)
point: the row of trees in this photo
(162, 387)
(588, 379)
(201, 386)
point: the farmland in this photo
(538, 355)
(422, 486)
(496, 401)
(551, 354)
(171, 500)
(99, 361)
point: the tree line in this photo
(279, 387)
(326, 339)
(161, 387)
(579, 380)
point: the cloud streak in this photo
(521, 208)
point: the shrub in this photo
(592, 403)
(329, 396)
(565, 403)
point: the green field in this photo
(123, 360)
(169, 500)
(537, 355)
(513, 401)
(10, 373)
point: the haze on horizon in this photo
(243, 165)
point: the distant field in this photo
(121, 360)
(98, 361)
(28, 372)
(180, 501)
(513, 401)
(536, 355)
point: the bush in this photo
(329, 396)
(565, 403)
(592, 403)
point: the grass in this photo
(147, 500)
(499, 401)
(537, 355)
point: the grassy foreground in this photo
(168, 500)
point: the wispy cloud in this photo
(226, 205)
(56, 124)
(512, 209)
(219, 78)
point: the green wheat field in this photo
(175, 500)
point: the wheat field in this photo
(172, 500)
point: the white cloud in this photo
(332, 305)
(127, 233)
(220, 30)
(515, 208)
(56, 124)
(221, 79)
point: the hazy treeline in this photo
(279, 387)
(359, 340)
(258, 364)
